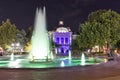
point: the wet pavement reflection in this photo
(105, 71)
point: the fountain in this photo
(12, 57)
(40, 55)
(69, 55)
(62, 64)
(40, 41)
(83, 59)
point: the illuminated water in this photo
(22, 62)
(40, 41)
(83, 59)
(12, 57)
(62, 64)
(69, 55)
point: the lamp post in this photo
(15, 47)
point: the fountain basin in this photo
(22, 62)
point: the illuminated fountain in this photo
(40, 51)
(40, 41)
(83, 59)
(12, 57)
(62, 64)
(69, 55)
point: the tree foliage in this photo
(102, 26)
(74, 45)
(8, 32)
(21, 37)
(29, 33)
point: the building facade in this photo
(62, 39)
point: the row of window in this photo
(62, 40)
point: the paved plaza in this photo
(104, 71)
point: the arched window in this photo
(57, 40)
(62, 40)
(66, 40)
(62, 50)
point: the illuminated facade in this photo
(62, 39)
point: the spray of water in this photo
(83, 59)
(40, 41)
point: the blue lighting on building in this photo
(62, 39)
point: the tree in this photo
(8, 32)
(28, 39)
(74, 45)
(103, 26)
(29, 34)
(21, 37)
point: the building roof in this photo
(62, 28)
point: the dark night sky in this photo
(72, 12)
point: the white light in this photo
(12, 57)
(62, 64)
(61, 23)
(14, 64)
(83, 59)
(12, 44)
(17, 44)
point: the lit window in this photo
(62, 40)
(57, 39)
(62, 50)
(66, 40)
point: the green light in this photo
(40, 40)
(24, 63)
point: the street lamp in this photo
(15, 47)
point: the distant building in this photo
(62, 38)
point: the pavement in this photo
(103, 71)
